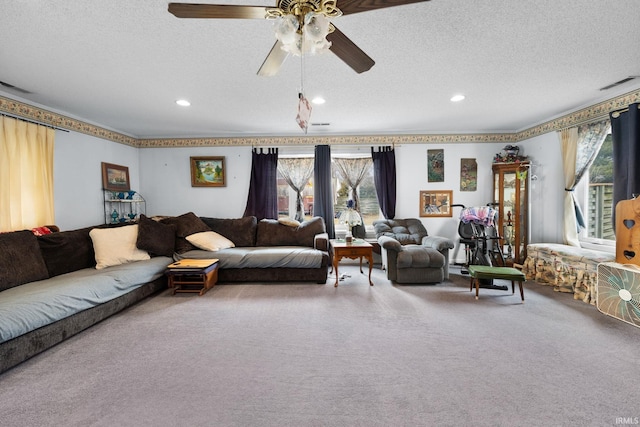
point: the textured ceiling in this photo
(121, 64)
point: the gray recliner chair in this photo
(409, 254)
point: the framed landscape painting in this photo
(207, 172)
(115, 177)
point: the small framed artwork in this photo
(436, 203)
(435, 165)
(115, 177)
(207, 172)
(468, 175)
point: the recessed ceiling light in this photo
(318, 100)
(457, 98)
(183, 102)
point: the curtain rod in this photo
(33, 122)
(587, 121)
(615, 114)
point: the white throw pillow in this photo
(210, 241)
(289, 222)
(115, 246)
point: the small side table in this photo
(193, 275)
(356, 249)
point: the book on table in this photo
(193, 265)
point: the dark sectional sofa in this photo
(268, 251)
(50, 288)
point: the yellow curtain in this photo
(26, 175)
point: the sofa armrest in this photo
(321, 242)
(438, 243)
(389, 243)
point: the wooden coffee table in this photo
(356, 249)
(192, 275)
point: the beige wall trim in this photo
(600, 110)
(29, 112)
(593, 112)
(326, 140)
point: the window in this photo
(287, 199)
(599, 200)
(369, 208)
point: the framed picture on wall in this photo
(208, 172)
(435, 165)
(115, 177)
(436, 203)
(468, 175)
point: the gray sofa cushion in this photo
(241, 231)
(39, 303)
(406, 231)
(416, 256)
(272, 233)
(67, 251)
(20, 259)
(261, 257)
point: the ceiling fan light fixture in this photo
(316, 26)
(286, 27)
(309, 40)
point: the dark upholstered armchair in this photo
(409, 254)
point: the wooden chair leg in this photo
(521, 291)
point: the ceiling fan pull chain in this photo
(302, 69)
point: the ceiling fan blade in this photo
(355, 6)
(347, 50)
(193, 10)
(273, 61)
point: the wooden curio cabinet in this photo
(511, 193)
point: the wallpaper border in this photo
(599, 110)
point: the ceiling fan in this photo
(298, 17)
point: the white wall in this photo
(162, 176)
(411, 164)
(78, 176)
(547, 191)
(165, 182)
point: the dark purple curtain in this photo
(384, 177)
(323, 188)
(263, 188)
(625, 135)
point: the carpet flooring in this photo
(355, 355)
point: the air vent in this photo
(618, 83)
(320, 124)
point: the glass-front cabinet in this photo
(511, 193)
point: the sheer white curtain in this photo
(353, 171)
(569, 140)
(580, 145)
(26, 174)
(297, 172)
